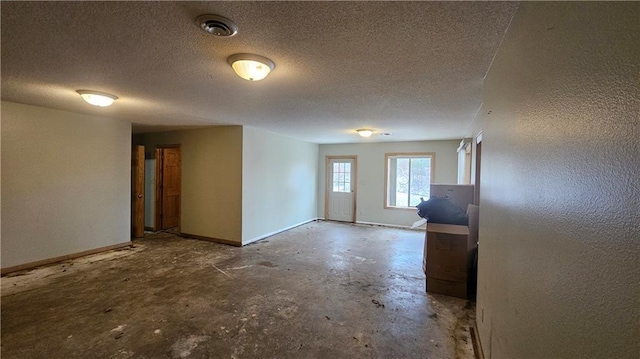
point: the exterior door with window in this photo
(341, 189)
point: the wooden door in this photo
(341, 189)
(171, 178)
(137, 192)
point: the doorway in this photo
(340, 189)
(168, 186)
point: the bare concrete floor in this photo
(322, 290)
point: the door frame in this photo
(477, 174)
(327, 188)
(158, 190)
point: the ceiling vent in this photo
(217, 25)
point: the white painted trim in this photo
(278, 231)
(386, 225)
(376, 224)
(464, 143)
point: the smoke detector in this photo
(217, 25)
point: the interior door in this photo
(137, 192)
(340, 203)
(171, 187)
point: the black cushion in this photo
(442, 210)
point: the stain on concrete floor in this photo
(320, 290)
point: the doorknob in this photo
(139, 195)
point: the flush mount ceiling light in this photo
(365, 132)
(97, 98)
(251, 67)
(217, 25)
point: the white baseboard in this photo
(278, 231)
(384, 225)
(422, 228)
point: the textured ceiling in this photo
(414, 69)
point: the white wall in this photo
(65, 183)
(370, 201)
(149, 192)
(279, 183)
(559, 209)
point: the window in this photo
(341, 177)
(408, 177)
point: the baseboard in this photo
(374, 224)
(383, 225)
(211, 239)
(44, 262)
(244, 243)
(477, 345)
(278, 231)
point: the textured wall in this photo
(370, 201)
(559, 213)
(279, 183)
(65, 183)
(211, 178)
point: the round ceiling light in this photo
(97, 98)
(365, 132)
(217, 25)
(251, 67)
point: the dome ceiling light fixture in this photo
(97, 98)
(365, 132)
(217, 25)
(251, 67)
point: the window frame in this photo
(343, 172)
(388, 156)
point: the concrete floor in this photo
(322, 290)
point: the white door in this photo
(341, 187)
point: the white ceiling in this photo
(414, 69)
